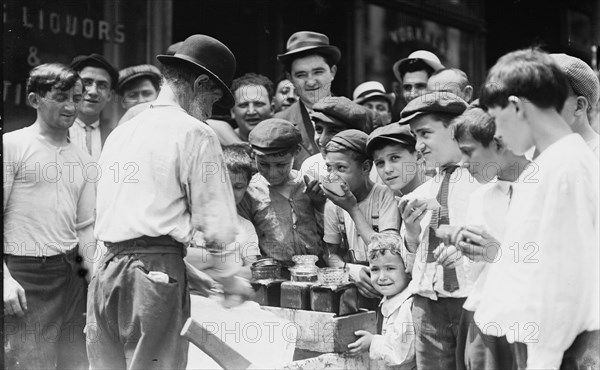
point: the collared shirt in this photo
(163, 174)
(396, 343)
(544, 289)
(49, 194)
(488, 207)
(285, 226)
(77, 135)
(379, 202)
(427, 278)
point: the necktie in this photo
(88, 138)
(440, 217)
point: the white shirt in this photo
(163, 174)
(544, 289)
(488, 207)
(427, 278)
(77, 136)
(396, 343)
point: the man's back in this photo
(155, 169)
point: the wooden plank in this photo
(221, 352)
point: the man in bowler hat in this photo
(310, 63)
(162, 180)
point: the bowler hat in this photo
(209, 56)
(581, 76)
(274, 135)
(142, 70)
(340, 111)
(96, 60)
(433, 102)
(392, 132)
(371, 89)
(427, 57)
(306, 42)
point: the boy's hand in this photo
(447, 255)
(412, 211)
(346, 202)
(315, 193)
(477, 244)
(362, 344)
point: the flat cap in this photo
(340, 111)
(433, 102)
(354, 140)
(142, 70)
(274, 135)
(96, 60)
(581, 76)
(393, 132)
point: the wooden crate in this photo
(323, 331)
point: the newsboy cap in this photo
(354, 140)
(307, 42)
(581, 77)
(393, 132)
(340, 111)
(427, 57)
(98, 61)
(207, 55)
(143, 70)
(274, 135)
(433, 102)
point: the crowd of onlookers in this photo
(471, 223)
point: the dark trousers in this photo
(482, 351)
(50, 335)
(134, 318)
(437, 327)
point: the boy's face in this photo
(435, 141)
(414, 84)
(349, 170)
(98, 90)
(378, 105)
(483, 163)
(513, 130)
(58, 108)
(395, 165)
(275, 168)
(324, 132)
(387, 274)
(239, 184)
(141, 90)
(252, 106)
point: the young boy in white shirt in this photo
(543, 291)
(395, 345)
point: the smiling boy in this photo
(551, 238)
(285, 208)
(440, 277)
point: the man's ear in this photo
(468, 93)
(199, 83)
(500, 147)
(582, 106)
(366, 166)
(333, 72)
(34, 100)
(110, 95)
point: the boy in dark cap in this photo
(441, 276)
(332, 115)
(138, 86)
(552, 218)
(100, 80)
(399, 165)
(285, 208)
(358, 208)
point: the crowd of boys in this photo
(472, 225)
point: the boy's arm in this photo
(85, 228)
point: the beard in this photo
(198, 109)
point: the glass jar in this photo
(333, 275)
(266, 268)
(305, 268)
